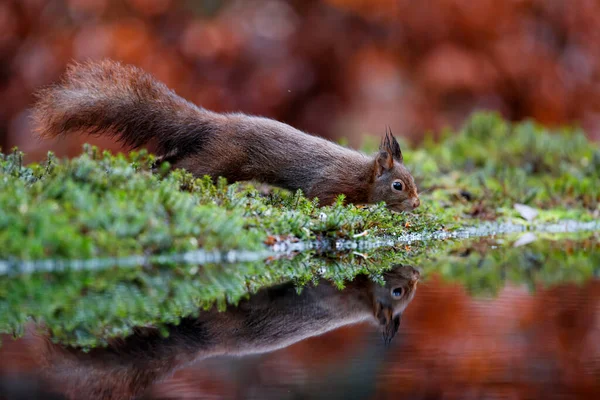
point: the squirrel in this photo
(271, 319)
(123, 101)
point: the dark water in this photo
(475, 329)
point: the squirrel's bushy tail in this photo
(123, 101)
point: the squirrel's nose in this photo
(416, 203)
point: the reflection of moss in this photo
(484, 265)
(85, 308)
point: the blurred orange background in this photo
(337, 68)
(348, 68)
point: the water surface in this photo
(487, 320)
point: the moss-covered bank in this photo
(100, 205)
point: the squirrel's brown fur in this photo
(123, 101)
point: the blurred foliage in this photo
(332, 67)
(484, 266)
(491, 164)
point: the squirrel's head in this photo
(392, 181)
(390, 301)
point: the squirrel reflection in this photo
(271, 319)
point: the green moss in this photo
(497, 164)
(103, 205)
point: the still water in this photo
(479, 320)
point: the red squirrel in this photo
(271, 319)
(125, 102)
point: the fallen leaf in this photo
(528, 213)
(525, 239)
(363, 233)
(364, 256)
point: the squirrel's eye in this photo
(397, 292)
(398, 186)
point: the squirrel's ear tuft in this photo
(394, 328)
(390, 145)
(389, 323)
